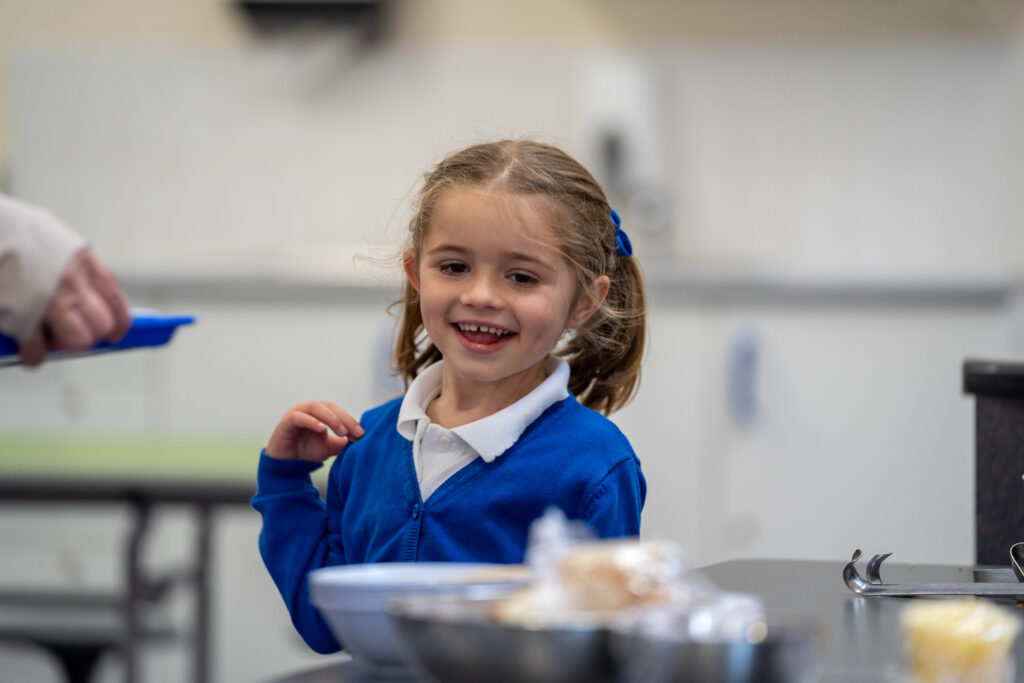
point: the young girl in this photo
(523, 320)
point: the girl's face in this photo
(495, 292)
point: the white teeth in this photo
(482, 328)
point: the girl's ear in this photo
(589, 300)
(412, 270)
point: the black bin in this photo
(998, 389)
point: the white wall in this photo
(863, 159)
(851, 213)
(237, 184)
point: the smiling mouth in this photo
(482, 334)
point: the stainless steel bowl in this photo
(779, 654)
(354, 600)
(454, 640)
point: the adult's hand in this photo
(88, 307)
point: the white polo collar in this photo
(492, 435)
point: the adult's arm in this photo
(35, 248)
(54, 292)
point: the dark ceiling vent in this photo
(279, 16)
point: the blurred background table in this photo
(78, 627)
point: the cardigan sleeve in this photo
(293, 541)
(613, 506)
(35, 247)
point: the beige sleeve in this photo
(35, 247)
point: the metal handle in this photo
(875, 586)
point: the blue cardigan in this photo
(571, 457)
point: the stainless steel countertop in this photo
(861, 639)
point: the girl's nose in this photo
(481, 291)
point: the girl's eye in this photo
(454, 268)
(522, 278)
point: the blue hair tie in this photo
(623, 247)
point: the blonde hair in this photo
(604, 353)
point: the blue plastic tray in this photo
(149, 328)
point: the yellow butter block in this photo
(959, 641)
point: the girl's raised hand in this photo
(313, 431)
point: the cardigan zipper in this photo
(412, 541)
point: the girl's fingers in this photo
(334, 417)
(350, 424)
(285, 440)
(355, 430)
(336, 444)
(314, 430)
(328, 417)
(319, 447)
(307, 421)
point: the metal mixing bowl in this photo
(777, 654)
(354, 600)
(454, 639)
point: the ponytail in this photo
(606, 352)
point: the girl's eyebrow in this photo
(446, 247)
(512, 255)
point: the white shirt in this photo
(438, 453)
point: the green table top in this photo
(219, 457)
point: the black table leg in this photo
(78, 661)
(133, 571)
(204, 547)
